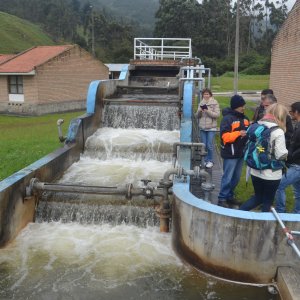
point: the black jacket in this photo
(294, 149)
(289, 131)
(259, 113)
(232, 144)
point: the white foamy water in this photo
(140, 116)
(113, 172)
(74, 261)
(82, 257)
(107, 143)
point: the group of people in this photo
(269, 184)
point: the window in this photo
(15, 84)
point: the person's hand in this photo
(243, 133)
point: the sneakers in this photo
(209, 165)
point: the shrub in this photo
(250, 64)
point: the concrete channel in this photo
(241, 246)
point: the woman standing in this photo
(208, 113)
(266, 182)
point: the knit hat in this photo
(237, 101)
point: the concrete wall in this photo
(228, 243)
(59, 84)
(285, 64)
(15, 209)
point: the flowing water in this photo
(78, 249)
(79, 261)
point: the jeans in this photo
(292, 177)
(207, 137)
(265, 191)
(232, 170)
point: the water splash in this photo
(143, 116)
(74, 261)
(108, 143)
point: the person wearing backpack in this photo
(233, 140)
(266, 161)
(208, 113)
(292, 176)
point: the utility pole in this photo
(93, 31)
(236, 54)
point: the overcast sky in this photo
(290, 3)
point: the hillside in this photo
(17, 35)
(140, 11)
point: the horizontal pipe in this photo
(127, 190)
(82, 189)
(191, 79)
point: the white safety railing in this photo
(162, 48)
(288, 233)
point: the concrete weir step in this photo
(288, 282)
(146, 90)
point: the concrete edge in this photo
(288, 283)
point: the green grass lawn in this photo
(24, 140)
(224, 83)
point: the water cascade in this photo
(105, 247)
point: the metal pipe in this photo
(60, 135)
(191, 79)
(81, 189)
(286, 232)
(208, 177)
(128, 190)
(170, 172)
(295, 232)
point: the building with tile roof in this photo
(5, 57)
(47, 79)
(285, 63)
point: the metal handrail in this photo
(288, 234)
(161, 48)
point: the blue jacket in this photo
(232, 143)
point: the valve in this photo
(60, 135)
(148, 192)
(145, 181)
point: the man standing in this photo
(260, 110)
(292, 176)
(233, 140)
(270, 99)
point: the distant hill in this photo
(141, 11)
(17, 35)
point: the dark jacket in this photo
(259, 113)
(294, 149)
(232, 144)
(289, 131)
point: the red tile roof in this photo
(26, 61)
(5, 57)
